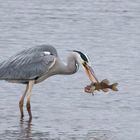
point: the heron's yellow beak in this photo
(90, 73)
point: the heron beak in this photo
(90, 73)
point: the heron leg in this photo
(21, 102)
(29, 92)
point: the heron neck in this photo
(70, 67)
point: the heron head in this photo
(84, 60)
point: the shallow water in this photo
(108, 31)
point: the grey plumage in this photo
(28, 64)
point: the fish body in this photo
(103, 85)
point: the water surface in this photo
(109, 32)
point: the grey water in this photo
(108, 31)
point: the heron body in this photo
(33, 65)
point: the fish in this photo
(103, 85)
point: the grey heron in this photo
(33, 65)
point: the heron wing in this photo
(26, 66)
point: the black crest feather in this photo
(83, 56)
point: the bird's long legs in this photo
(29, 92)
(21, 102)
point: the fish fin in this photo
(105, 90)
(105, 81)
(114, 87)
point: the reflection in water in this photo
(26, 132)
(21, 131)
(26, 128)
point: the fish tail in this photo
(114, 87)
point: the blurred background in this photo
(108, 31)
